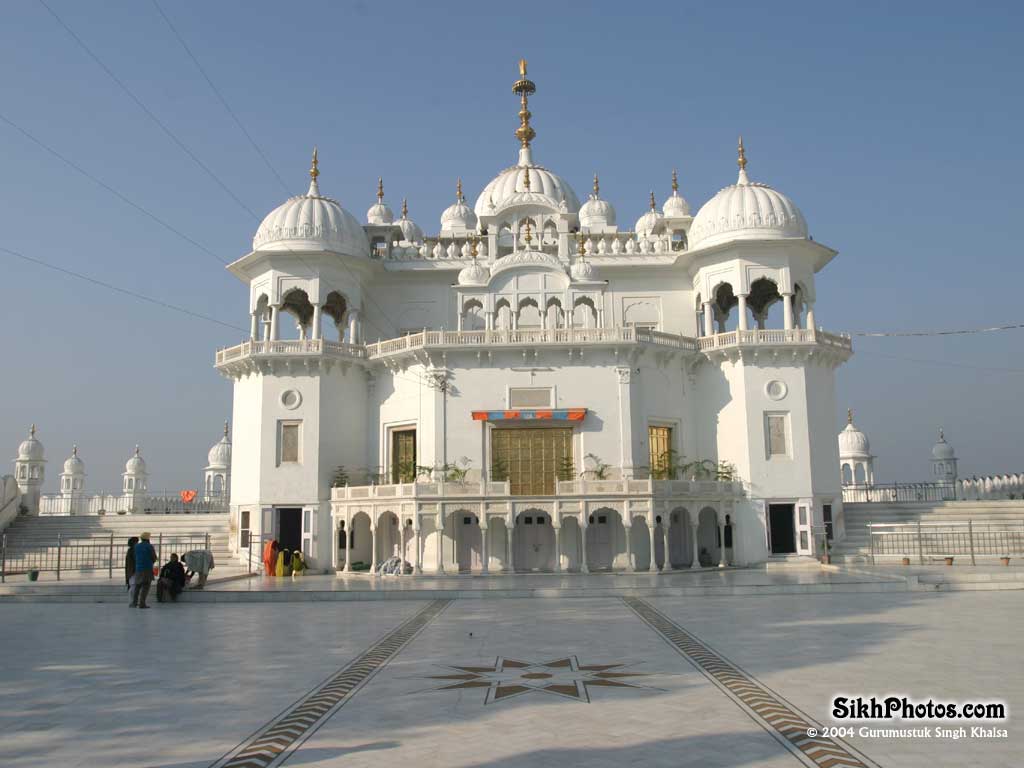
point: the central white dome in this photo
(311, 222)
(506, 184)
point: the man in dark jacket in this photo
(172, 580)
(129, 563)
(145, 558)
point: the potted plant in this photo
(906, 561)
(566, 469)
(499, 470)
(949, 561)
(598, 469)
(340, 477)
(1005, 559)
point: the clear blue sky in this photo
(895, 127)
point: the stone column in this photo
(709, 319)
(666, 564)
(630, 555)
(810, 316)
(741, 308)
(508, 547)
(418, 567)
(353, 326)
(315, 335)
(440, 542)
(694, 527)
(558, 548)
(401, 548)
(787, 311)
(373, 547)
(254, 326)
(653, 566)
(275, 312)
(584, 568)
(485, 550)
(722, 561)
(348, 546)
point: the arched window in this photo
(764, 295)
(473, 316)
(296, 303)
(335, 307)
(725, 301)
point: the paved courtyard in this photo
(646, 681)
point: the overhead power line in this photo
(955, 332)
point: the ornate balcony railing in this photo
(289, 347)
(433, 489)
(774, 336)
(899, 492)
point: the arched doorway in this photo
(680, 547)
(469, 552)
(388, 536)
(570, 544)
(707, 537)
(641, 537)
(359, 546)
(534, 541)
(605, 537)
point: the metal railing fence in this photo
(88, 554)
(932, 541)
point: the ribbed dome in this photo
(502, 187)
(311, 222)
(411, 232)
(74, 465)
(219, 456)
(380, 212)
(650, 222)
(597, 213)
(30, 449)
(853, 443)
(135, 465)
(676, 207)
(747, 211)
(942, 450)
(474, 274)
(583, 271)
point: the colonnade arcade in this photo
(534, 538)
(725, 309)
(308, 317)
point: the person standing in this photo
(270, 556)
(145, 559)
(129, 565)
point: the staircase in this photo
(855, 547)
(35, 534)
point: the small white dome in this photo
(474, 274)
(135, 465)
(852, 442)
(411, 233)
(219, 456)
(651, 222)
(597, 213)
(380, 212)
(458, 216)
(747, 211)
(74, 465)
(942, 450)
(583, 271)
(511, 180)
(30, 449)
(311, 222)
(676, 206)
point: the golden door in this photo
(530, 457)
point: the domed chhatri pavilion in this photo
(535, 388)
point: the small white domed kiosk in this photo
(856, 463)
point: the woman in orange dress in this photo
(270, 556)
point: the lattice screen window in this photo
(776, 429)
(290, 442)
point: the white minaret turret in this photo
(29, 471)
(135, 478)
(72, 482)
(856, 464)
(944, 460)
(217, 475)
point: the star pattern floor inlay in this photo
(565, 677)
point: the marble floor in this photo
(655, 681)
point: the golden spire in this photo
(527, 236)
(380, 189)
(458, 190)
(742, 160)
(526, 180)
(654, 205)
(74, 450)
(597, 186)
(524, 87)
(405, 208)
(314, 169)
(849, 415)
(581, 251)
(675, 181)
(32, 431)
(472, 246)
(225, 427)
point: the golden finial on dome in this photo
(526, 180)
(314, 169)
(597, 186)
(581, 251)
(742, 160)
(654, 205)
(225, 427)
(675, 181)
(524, 87)
(380, 189)
(527, 235)
(32, 431)
(405, 208)
(74, 450)
(849, 415)
(472, 246)
(458, 190)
